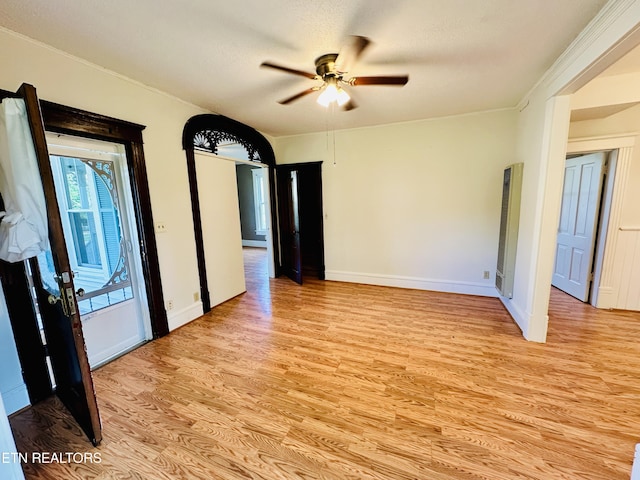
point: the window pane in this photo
(76, 183)
(85, 239)
(259, 201)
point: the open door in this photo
(578, 222)
(56, 296)
(290, 215)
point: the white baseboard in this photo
(467, 288)
(523, 320)
(115, 351)
(516, 313)
(254, 243)
(178, 318)
(16, 398)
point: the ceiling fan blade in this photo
(350, 105)
(312, 76)
(350, 53)
(398, 80)
(295, 97)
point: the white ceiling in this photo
(461, 55)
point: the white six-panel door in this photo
(578, 224)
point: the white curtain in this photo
(23, 228)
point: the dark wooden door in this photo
(295, 251)
(311, 219)
(56, 296)
(288, 192)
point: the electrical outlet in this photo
(196, 296)
(169, 304)
(161, 227)
(486, 275)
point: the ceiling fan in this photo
(332, 70)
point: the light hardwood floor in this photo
(340, 381)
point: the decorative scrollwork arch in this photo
(210, 132)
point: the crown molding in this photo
(617, 24)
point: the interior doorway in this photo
(254, 203)
(225, 138)
(612, 268)
(579, 224)
(301, 214)
(255, 223)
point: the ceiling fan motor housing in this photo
(326, 65)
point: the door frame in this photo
(611, 210)
(100, 324)
(271, 268)
(72, 121)
(204, 132)
(304, 169)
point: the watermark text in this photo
(50, 457)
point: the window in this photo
(88, 201)
(259, 201)
(80, 192)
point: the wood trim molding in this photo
(197, 229)
(64, 119)
(605, 142)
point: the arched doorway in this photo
(215, 133)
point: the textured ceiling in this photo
(461, 55)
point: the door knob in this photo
(53, 299)
(80, 292)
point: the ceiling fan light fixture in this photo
(328, 95)
(343, 97)
(332, 93)
(332, 70)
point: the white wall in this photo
(222, 238)
(63, 79)
(623, 281)
(608, 90)
(10, 466)
(414, 204)
(12, 386)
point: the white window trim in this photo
(259, 203)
